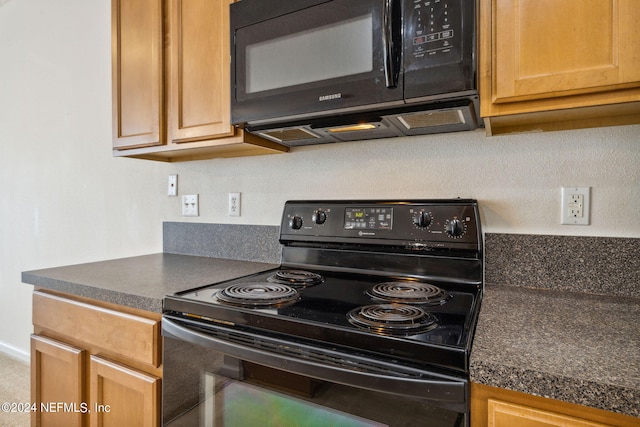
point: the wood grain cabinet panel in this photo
(101, 360)
(121, 396)
(496, 407)
(505, 414)
(57, 376)
(136, 29)
(133, 337)
(171, 82)
(559, 63)
(199, 85)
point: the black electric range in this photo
(386, 280)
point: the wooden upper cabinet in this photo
(199, 69)
(540, 56)
(171, 83)
(136, 30)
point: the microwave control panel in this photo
(433, 31)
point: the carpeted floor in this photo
(14, 391)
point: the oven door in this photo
(216, 376)
(293, 59)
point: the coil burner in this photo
(296, 278)
(258, 295)
(409, 292)
(393, 319)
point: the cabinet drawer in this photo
(133, 337)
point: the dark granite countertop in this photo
(143, 281)
(552, 342)
(574, 347)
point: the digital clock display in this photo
(373, 218)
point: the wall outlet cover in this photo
(234, 204)
(172, 189)
(576, 203)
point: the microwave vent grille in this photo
(284, 135)
(432, 118)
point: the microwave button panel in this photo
(436, 29)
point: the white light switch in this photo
(190, 205)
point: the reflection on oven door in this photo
(240, 404)
(221, 391)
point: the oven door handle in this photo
(451, 392)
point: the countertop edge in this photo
(118, 281)
(592, 394)
(100, 294)
(500, 357)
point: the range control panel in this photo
(426, 224)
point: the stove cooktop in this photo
(398, 317)
(345, 265)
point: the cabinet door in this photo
(496, 407)
(121, 396)
(136, 31)
(505, 414)
(199, 94)
(554, 48)
(57, 378)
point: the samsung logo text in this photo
(330, 97)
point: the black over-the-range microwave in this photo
(314, 71)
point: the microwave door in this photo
(332, 57)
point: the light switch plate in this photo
(190, 205)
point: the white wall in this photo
(66, 200)
(516, 178)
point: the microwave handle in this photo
(389, 29)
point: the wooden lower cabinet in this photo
(496, 407)
(57, 375)
(121, 396)
(94, 364)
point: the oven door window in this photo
(239, 403)
(207, 388)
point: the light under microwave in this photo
(316, 71)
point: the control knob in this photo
(455, 228)
(319, 217)
(295, 223)
(422, 219)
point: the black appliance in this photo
(314, 71)
(368, 321)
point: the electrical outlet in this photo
(190, 205)
(172, 189)
(575, 205)
(234, 204)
